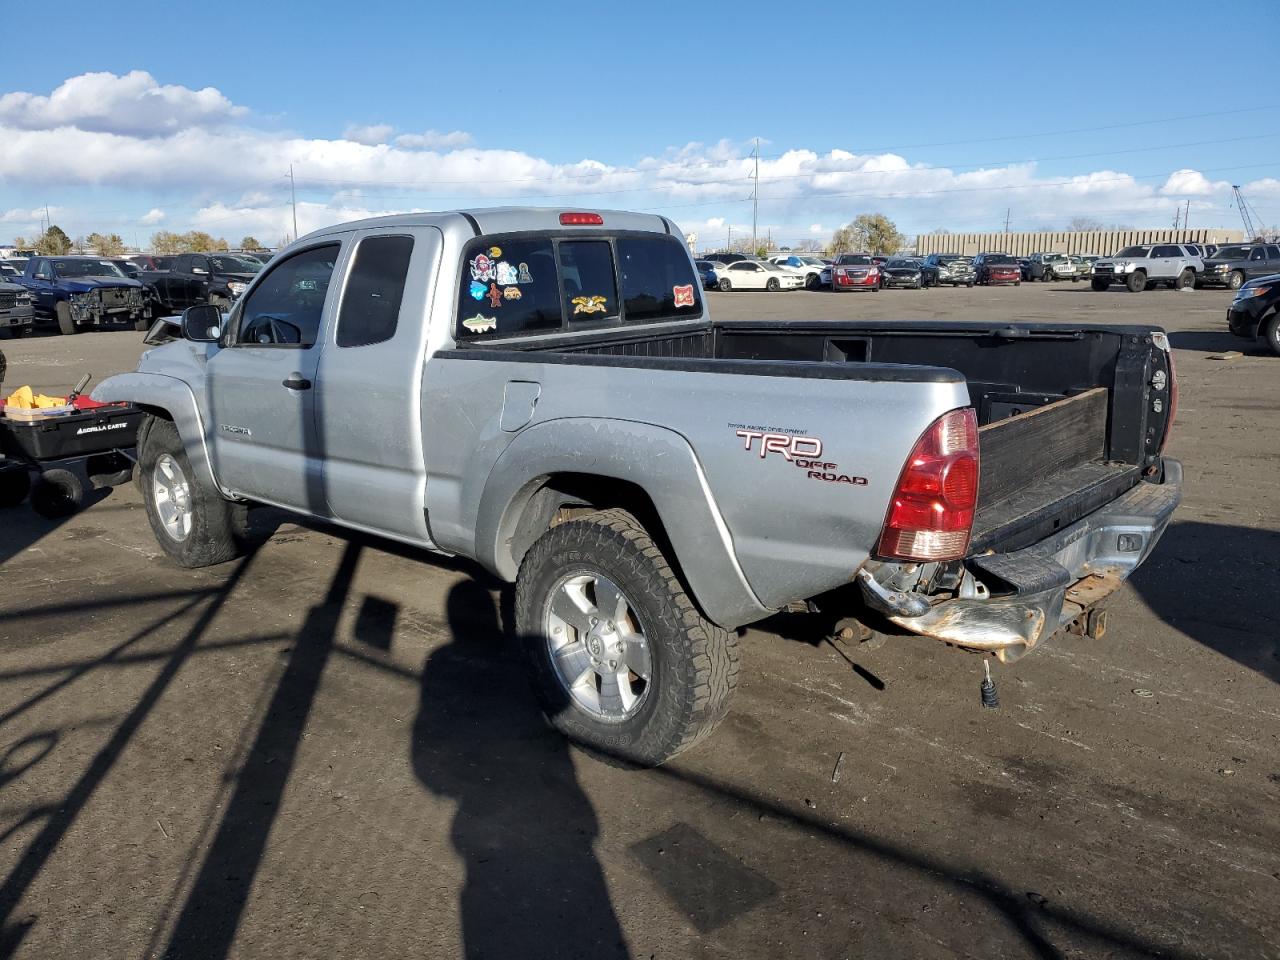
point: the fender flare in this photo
(659, 461)
(172, 396)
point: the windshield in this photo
(999, 258)
(812, 261)
(1133, 252)
(853, 259)
(1232, 253)
(901, 263)
(86, 268)
(226, 264)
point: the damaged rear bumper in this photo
(1028, 595)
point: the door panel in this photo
(368, 394)
(262, 433)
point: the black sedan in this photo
(1255, 312)
(902, 272)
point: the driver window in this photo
(1256, 254)
(286, 306)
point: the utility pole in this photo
(1007, 211)
(755, 196)
(1177, 216)
(728, 244)
(1186, 217)
(293, 194)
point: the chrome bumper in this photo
(1054, 582)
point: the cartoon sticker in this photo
(481, 324)
(478, 290)
(495, 252)
(481, 268)
(495, 296)
(507, 274)
(684, 295)
(511, 293)
(588, 304)
(525, 276)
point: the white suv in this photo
(1141, 267)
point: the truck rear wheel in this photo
(193, 523)
(65, 323)
(1272, 332)
(1187, 278)
(621, 659)
(1136, 281)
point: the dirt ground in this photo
(328, 748)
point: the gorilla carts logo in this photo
(804, 452)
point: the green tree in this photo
(53, 242)
(868, 233)
(249, 243)
(166, 243)
(105, 244)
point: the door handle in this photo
(296, 381)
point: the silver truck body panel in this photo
(794, 534)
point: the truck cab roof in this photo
(498, 220)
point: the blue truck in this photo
(81, 292)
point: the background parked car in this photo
(8, 270)
(80, 292)
(707, 273)
(902, 272)
(1051, 266)
(758, 275)
(16, 311)
(809, 267)
(1024, 267)
(1232, 265)
(728, 258)
(1143, 266)
(990, 269)
(948, 268)
(1255, 311)
(855, 271)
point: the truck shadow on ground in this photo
(1239, 619)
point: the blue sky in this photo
(940, 115)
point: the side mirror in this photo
(202, 323)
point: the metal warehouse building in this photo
(1102, 242)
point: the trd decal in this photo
(799, 450)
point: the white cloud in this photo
(371, 134)
(133, 105)
(131, 133)
(434, 140)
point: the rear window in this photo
(511, 286)
(508, 287)
(656, 280)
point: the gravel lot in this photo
(328, 750)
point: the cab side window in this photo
(1256, 254)
(371, 301)
(286, 306)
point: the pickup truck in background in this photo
(543, 391)
(1231, 265)
(16, 311)
(1142, 267)
(80, 292)
(951, 268)
(192, 278)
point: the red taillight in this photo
(931, 515)
(581, 220)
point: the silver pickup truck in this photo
(543, 391)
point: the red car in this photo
(855, 271)
(994, 268)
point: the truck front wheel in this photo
(193, 523)
(1272, 332)
(622, 661)
(1099, 285)
(1136, 281)
(65, 324)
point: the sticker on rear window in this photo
(507, 274)
(481, 268)
(495, 252)
(588, 304)
(481, 324)
(683, 295)
(511, 293)
(495, 296)
(478, 290)
(525, 275)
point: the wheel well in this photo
(564, 496)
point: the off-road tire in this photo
(725, 285)
(1136, 282)
(218, 525)
(1099, 285)
(1271, 330)
(1236, 280)
(57, 494)
(694, 661)
(15, 484)
(1046, 276)
(65, 324)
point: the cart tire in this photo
(193, 523)
(57, 494)
(15, 484)
(108, 469)
(65, 323)
(688, 665)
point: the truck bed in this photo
(1069, 417)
